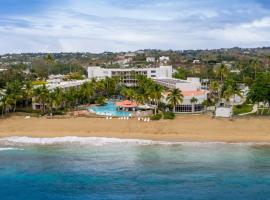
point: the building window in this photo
(153, 71)
(199, 107)
(153, 76)
(183, 108)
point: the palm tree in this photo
(14, 89)
(156, 94)
(255, 65)
(193, 101)
(230, 88)
(71, 97)
(227, 94)
(214, 90)
(6, 103)
(27, 92)
(222, 72)
(55, 98)
(100, 87)
(86, 92)
(175, 97)
(41, 95)
(128, 93)
(140, 98)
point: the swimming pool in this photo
(109, 109)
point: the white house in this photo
(150, 59)
(164, 59)
(196, 62)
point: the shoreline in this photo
(185, 128)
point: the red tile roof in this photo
(126, 104)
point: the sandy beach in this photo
(185, 128)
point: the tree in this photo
(41, 95)
(14, 90)
(86, 92)
(222, 72)
(41, 68)
(71, 97)
(255, 65)
(55, 98)
(260, 90)
(6, 103)
(214, 91)
(49, 59)
(175, 97)
(74, 76)
(230, 88)
(156, 94)
(27, 92)
(193, 101)
(128, 93)
(181, 73)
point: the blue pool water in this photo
(99, 168)
(109, 109)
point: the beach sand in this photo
(188, 128)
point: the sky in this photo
(128, 25)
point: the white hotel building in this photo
(190, 88)
(162, 75)
(128, 75)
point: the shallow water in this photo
(100, 168)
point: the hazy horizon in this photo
(49, 26)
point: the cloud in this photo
(118, 25)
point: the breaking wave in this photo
(99, 141)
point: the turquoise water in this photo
(99, 168)
(109, 109)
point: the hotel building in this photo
(190, 88)
(128, 75)
(162, 75)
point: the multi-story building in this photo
(190, 88)
(194, 95)
(128, 75)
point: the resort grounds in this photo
(185, 128)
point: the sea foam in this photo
(9, 149)
(74, 139)
(99, 141)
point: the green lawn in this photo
(244, 108)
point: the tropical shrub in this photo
(156, 117)
(100, 100)
(168, 115)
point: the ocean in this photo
(114, 169)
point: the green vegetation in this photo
(156, 117)
(168, 115)
(146, 91)
(260, 90)
(74, 76)
(175, 97)
(240, 109)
